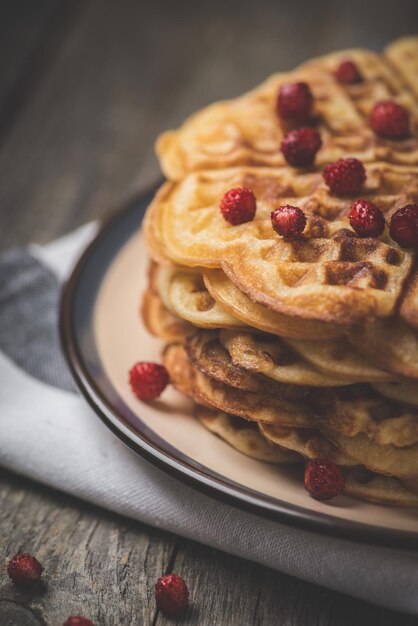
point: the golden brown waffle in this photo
(360, 409)
(240, 306)
(272, 357)
(243, 436)
(378, 489)
(328, 275)
(402, 391)
(160, 322)
(337, 357)
(389, 344)
(158, 319)
(360, 483)
(206, 352)
(403, 54)
(191, 301)
(307, 442)
(247, 130)
(252, 406)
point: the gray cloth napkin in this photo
(50, 434)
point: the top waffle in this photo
(247, 130)
(327, 275)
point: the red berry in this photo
(24, 569)
(171, 595)
(148, 380)
(300, 146)
(294, 101)
(345, 176)
(347, 72)
(78, 620)
(390, 120)
(366, 219)
(288, 221)
(404, 226)
(238, 206)
(323, 479)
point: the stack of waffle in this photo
(304, 348)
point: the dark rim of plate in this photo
(206, 481)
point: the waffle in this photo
(337, 357)
(361, 410)
(252, 314)
(303, 348)
(256, 407)
(247, 131)
(328, 275)
(243, 436)
(390, 344)
(403, 391)
(206, 352)
(307, 442)
(274, 358)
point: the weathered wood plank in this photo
(105, 567)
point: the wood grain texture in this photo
(105, 567)
(87, 89)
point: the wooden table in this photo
(85, 87)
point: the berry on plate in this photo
(323, 479)
(148, 380)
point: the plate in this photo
(102, 336)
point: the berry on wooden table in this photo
(171, 595)
(78, 620)
(24, 569)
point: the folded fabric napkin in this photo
(45, 425)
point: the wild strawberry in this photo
(300, 146)
(390, 120)
(294, 102)
(366, 219)
(288, 221)
(148, 380)
(238, 206)
(24, 569)
(403, 226)
(323, 479)
(78, 620)
(347, 73)
(171, 595)
(345, 176)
